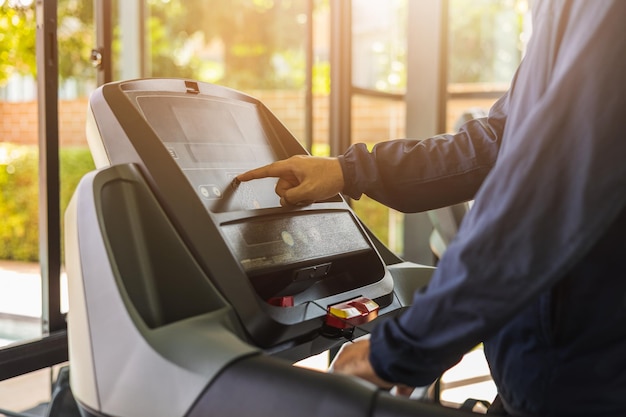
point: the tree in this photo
(246, 44)
(17, 41)
(485, 41)
(75, 36)
(260, 41)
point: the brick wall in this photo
(19, 122)
(373, 119)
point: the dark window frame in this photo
(51, 349)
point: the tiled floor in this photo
(20, 320)
(26, 391)
(20, 288)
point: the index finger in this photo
(274, 169)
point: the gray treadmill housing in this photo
(164, 319)
(225, 231)
(130, 324)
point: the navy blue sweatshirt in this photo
(538, 269)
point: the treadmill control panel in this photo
(213, 140)
(283, 253)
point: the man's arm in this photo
(408, 175)
(418, 175)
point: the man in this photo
(537, 271)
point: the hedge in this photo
(19, 195)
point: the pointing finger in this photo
(275, 169)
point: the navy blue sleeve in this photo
(418, 175)
(558, 184)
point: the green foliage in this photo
(76, 38)
(19, 233)
(252, 44)
(321, 78)
(375, 215)
(17, 41)
(320, 149)
(245, 44)
(255, 43)
(74, 163)
(485, 41)
(19, 195)
(75, 35)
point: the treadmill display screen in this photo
(213, 140)
(267, 243)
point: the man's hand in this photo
(302, 179)
(353, 359)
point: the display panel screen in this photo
(266, 243)
(212, 140)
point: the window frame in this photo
(51, 349)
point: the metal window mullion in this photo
(308, 84)
(49, 190)
(104, 38)
(340, 118)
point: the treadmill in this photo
(192, 295)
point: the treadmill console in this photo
(280, 268)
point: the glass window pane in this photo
(379, 63)
(374, 120)
(255, 46)
(77, 79)
(20, 278)
(487, 39)
(377, 119)
(20, 275)
(379, 45)
(320, 77)
(29, 392)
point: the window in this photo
(487, 39)
(257, 47)
(20, 279)
(37, 95)
(378, 86)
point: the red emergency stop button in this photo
(351, 313)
